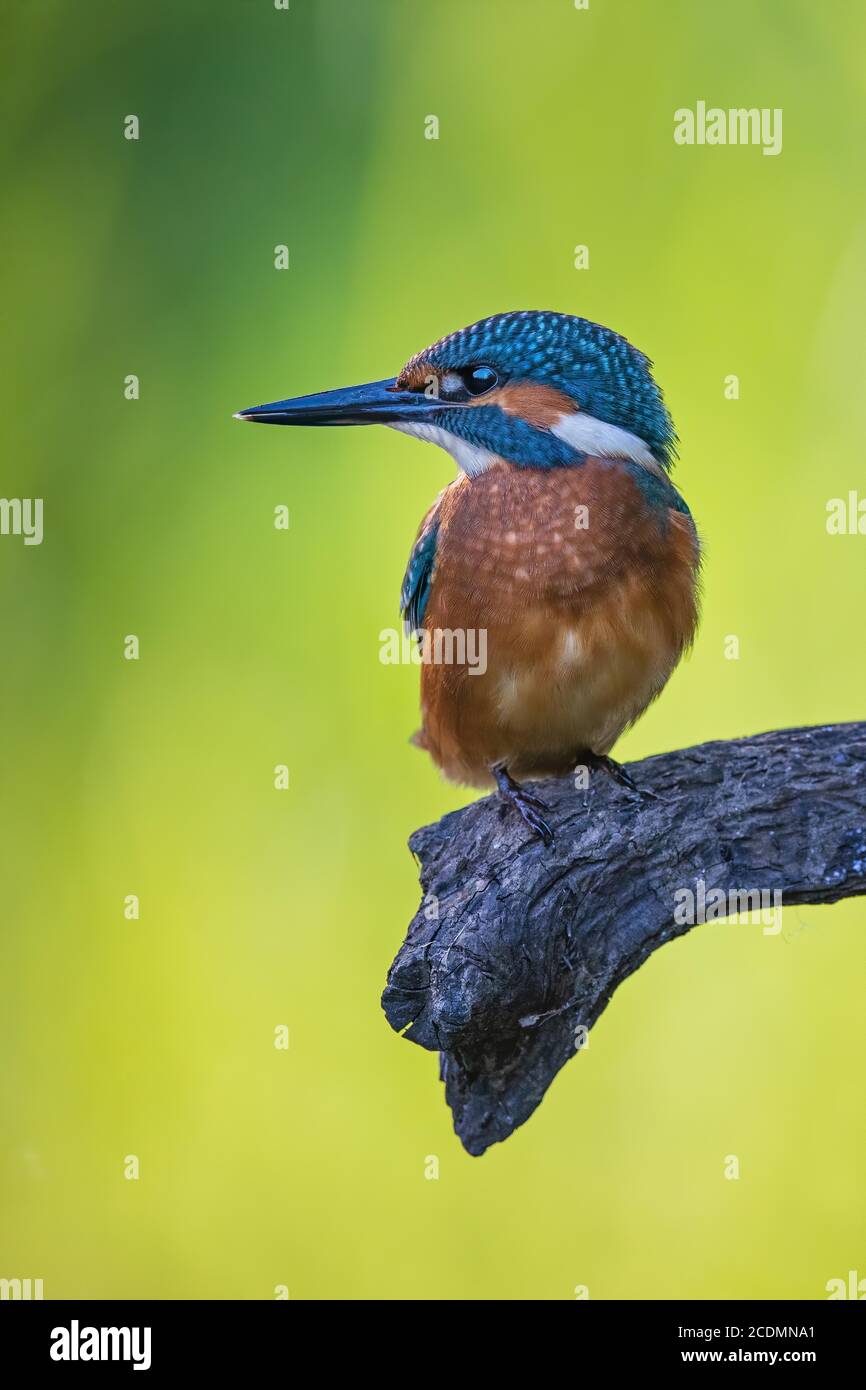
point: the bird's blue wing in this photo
(419, 572)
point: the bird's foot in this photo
(603, 763)
(529, 806)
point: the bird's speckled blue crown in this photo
(600, 370)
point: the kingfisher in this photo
(562, 539)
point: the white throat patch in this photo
(470, 458)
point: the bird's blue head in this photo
(539, 389)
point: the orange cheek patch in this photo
(540, 405)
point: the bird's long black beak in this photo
(376, 403)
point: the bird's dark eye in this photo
(477, 380)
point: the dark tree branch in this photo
(514, 947)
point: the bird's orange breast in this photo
(575, 596)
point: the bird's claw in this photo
(620, 775)
(529, 807)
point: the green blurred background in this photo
(155, 1037)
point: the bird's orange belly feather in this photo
(575, 629)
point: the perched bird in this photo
(562, 539)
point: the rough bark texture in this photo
(514, 947)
